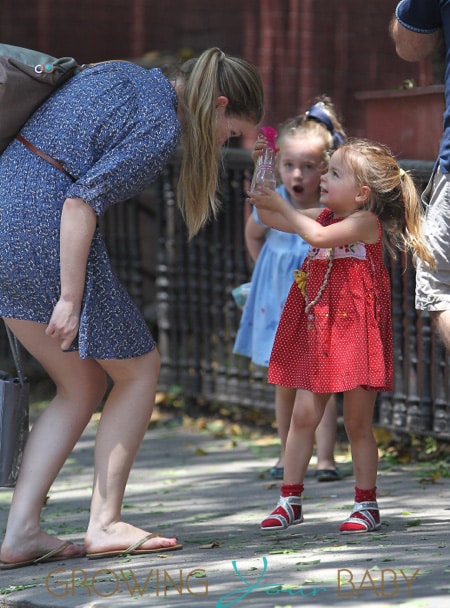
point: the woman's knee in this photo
(86, 382)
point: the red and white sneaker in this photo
(365, 517)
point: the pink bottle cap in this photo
(271, 135)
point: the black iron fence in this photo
(184, 290)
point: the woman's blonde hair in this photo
(321, 121)
(393, 196)
(211, 75)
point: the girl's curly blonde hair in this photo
(393, 196)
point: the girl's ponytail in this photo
(393, 196)
(413, 237)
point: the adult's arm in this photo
(78, 221)
(416, 28)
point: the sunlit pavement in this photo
(212, 494)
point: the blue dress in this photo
(272, 277)
(114, 126)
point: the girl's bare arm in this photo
(254, 237)
(276, 212)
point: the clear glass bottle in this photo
(265, 173)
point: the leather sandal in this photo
(283, 515)
(365, 517)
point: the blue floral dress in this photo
(114, 126)
(272, 277)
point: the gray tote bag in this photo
(14, 417)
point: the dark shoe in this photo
(328, 475)
(277, 472)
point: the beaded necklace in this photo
(301, 278)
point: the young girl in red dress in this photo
(335, 332)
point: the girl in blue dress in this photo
(113, 127)
(304, 146)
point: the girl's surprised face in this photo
(300, 165)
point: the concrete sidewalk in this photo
(212, 494)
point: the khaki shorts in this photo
(433, 286)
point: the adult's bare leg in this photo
(441, 320)
(80, 385)
(125, 418)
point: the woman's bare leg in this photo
(125, 418)
(80, 386)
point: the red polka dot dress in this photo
(344, 340)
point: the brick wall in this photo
(302, 47)
(311, 47)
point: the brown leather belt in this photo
(43, 155)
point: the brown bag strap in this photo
(43, 155)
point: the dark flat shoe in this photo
(328, 475)
(277, 472)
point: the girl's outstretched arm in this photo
(274, 210)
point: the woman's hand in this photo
(64, 323)
(78, 223)
(258, 147)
